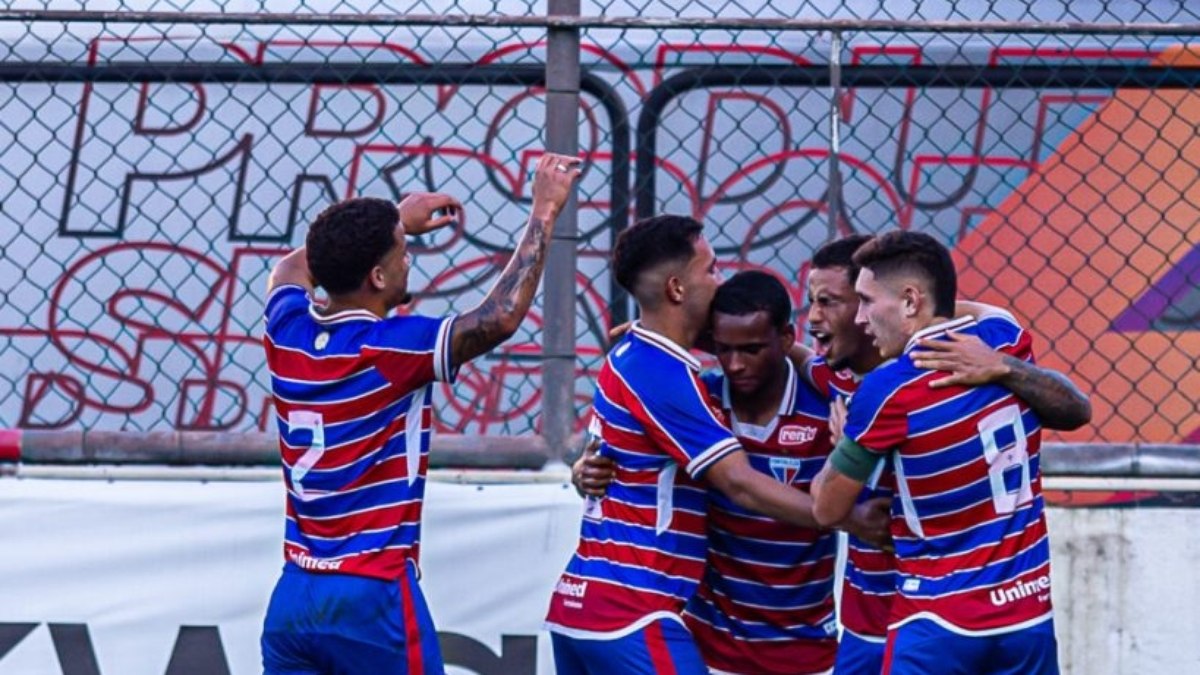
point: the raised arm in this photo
(970, 361)
(292, 270)
(500, 313)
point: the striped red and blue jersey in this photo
(869, 579)
(352, 401)
(765, 604)
(642, 547)
(968, 521)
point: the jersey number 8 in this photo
(1014, 457)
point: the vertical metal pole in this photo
(562, 136)
(835, 134)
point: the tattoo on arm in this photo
(1056, 400)
(498, 316)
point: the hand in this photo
(837, 420)
(871, 522)
(618, 330)
(969, 360)
(591, 474)
(552, 181)
(418, 208)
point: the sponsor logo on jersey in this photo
(321, 341)
(308, 562)
(1021, 590)
(571, 590)
(794, 434)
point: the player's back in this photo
(968, 524)
(642, 547)
(765, 604)
(352, 401)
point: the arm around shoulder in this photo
(754, 490)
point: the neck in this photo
(672, 325)
(865, 363)
(356, 301)
(762, 405)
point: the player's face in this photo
(700, 281)
(395, 264)
(832, 306)
(751, 350)
(881, 313)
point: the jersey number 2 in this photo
(310, 421)
(1001, 461)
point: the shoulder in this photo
(287, 298)
(809, 400)
(885, 383)
(998, 325)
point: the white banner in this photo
(139, 577)
(147, 578)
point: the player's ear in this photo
(674, 289)
(788, 337)
(377, 278)
(910, 301)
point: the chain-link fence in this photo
(154, 167)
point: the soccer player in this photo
(765, 603)
(351, 387)
(968, 525)
(845, 355)
(642, 549)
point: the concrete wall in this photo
(1126, 591)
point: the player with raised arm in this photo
(351, 388)
(642, 549)
(968, 521)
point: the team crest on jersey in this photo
(786, 469)
(795, 434)
(321, 341)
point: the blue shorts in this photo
(338, 623)
(858, 656)
(923, 646)
(662, 647)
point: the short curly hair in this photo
(348, 239)
(752, 291)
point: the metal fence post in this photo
(835, 134)
(562, 135)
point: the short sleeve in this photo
(411, 351)
(1000, 331)
(830, 383)
(874, 420)
(284, 304)
(679, 417)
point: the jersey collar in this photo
(664, 343)
(938, 329)
(344, 315)
(785, 403)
